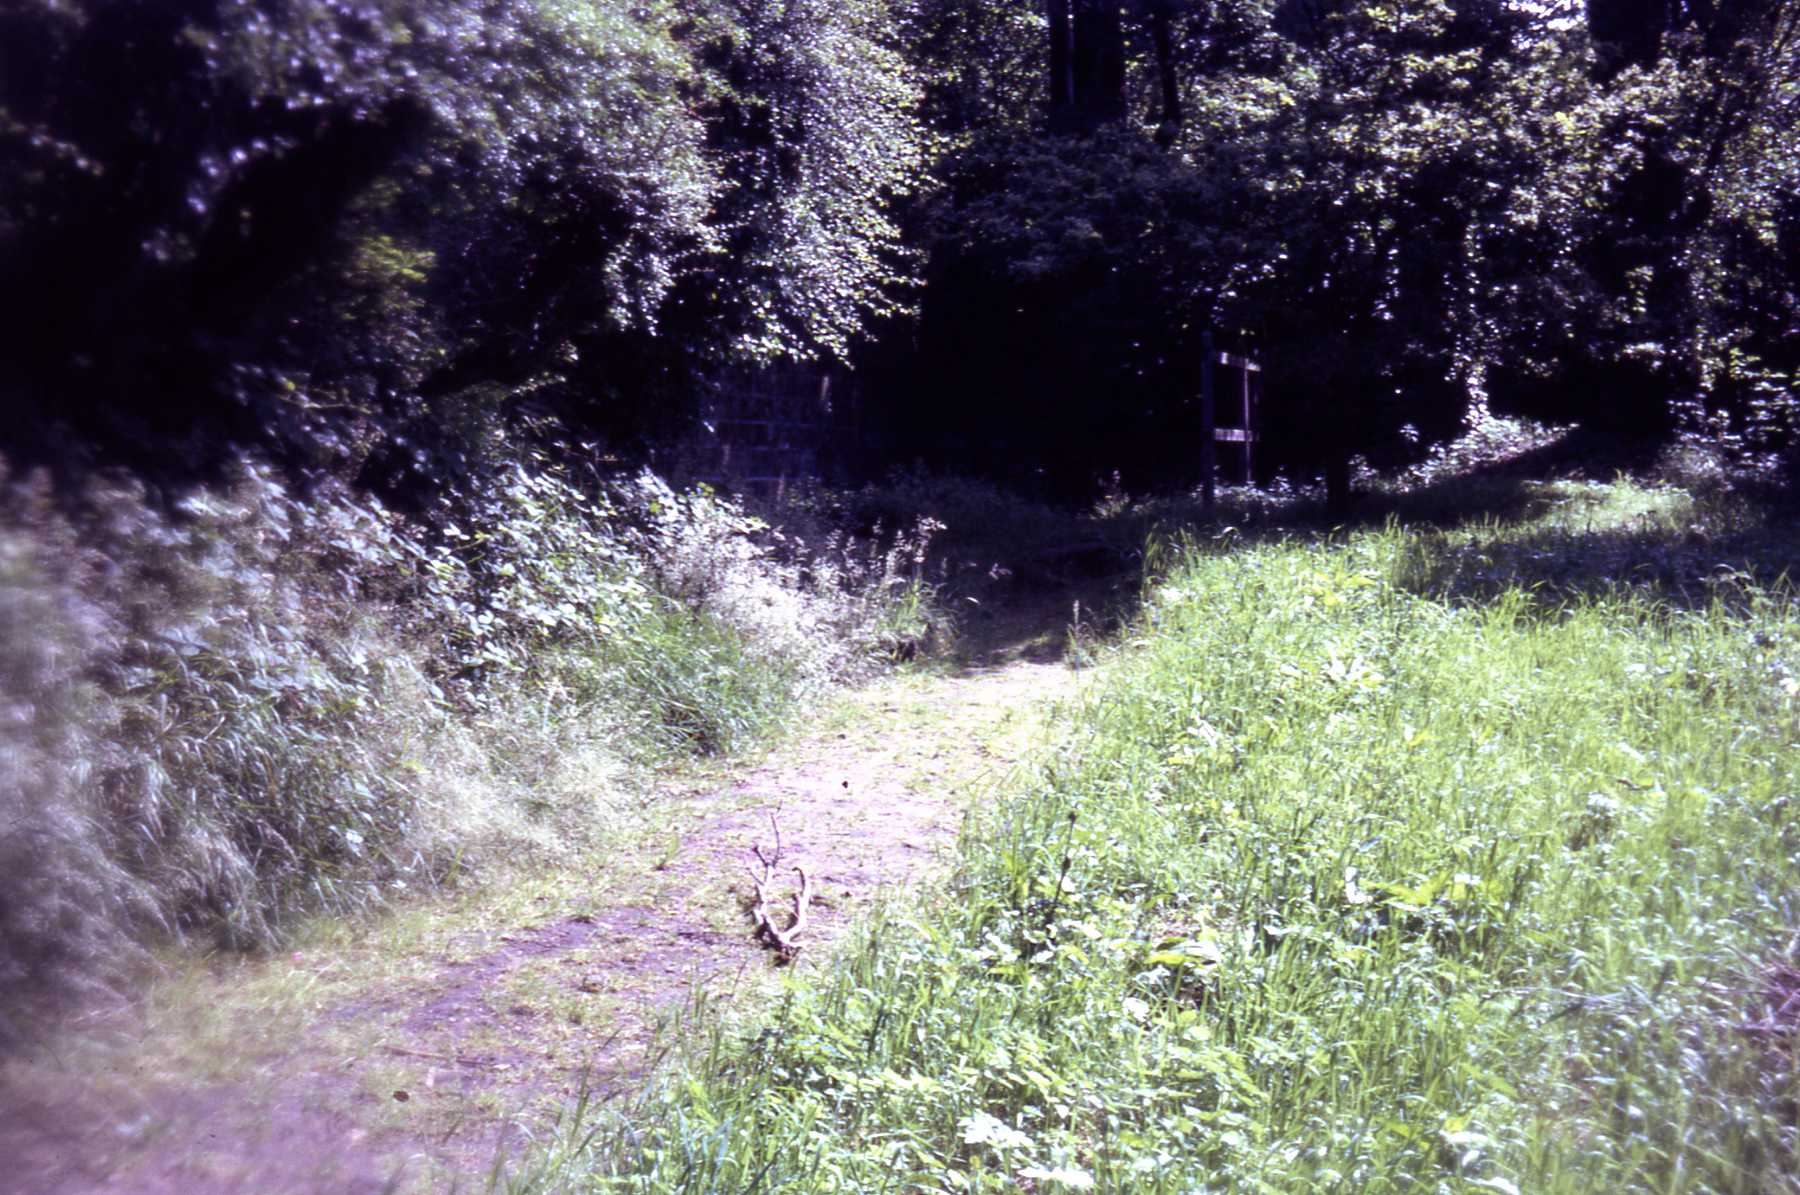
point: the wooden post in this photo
(1208, 425)
(1249, 428)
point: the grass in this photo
(222, 720)
(1379, 861)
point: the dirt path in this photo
(401, 1060)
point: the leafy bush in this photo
(679, 612)
(393, 206)
(1487, 440)
(983, 538)
(207, 732)
(873, 581)
(257, 706)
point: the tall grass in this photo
(219, 719)
(1333, 885)
(207, 733)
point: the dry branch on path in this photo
(785, 941)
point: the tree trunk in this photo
(1170, 125)
(1098, 61)
(1337, 485)
(1062, 82)
(1087, 65)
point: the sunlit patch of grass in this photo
(1586, 540)
(1337, 882)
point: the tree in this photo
(381, 237)
(1369, 160)
(1311, 176)
(1661, 294)
(1057, 338)
(810, 115)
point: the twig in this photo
(785, 941)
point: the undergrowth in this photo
(1358, 872)
(254, 707)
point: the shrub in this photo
(62, 898)
(253, 707)
(676, 615)
(203, 729)
(861, 590)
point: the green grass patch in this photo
(1346, 878)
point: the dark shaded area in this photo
(1044, 584)
(1683, 570)
(1054, 613)
(221, 253)
(410, 245)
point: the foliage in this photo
(1327, 885)
(1487, 441)
(1664, 297)
(375, 238)
(263, 706)
(1317, 200)
(209, 735)
(1064, 273)
(979, 66)
(1409, 212)
(405, 243)
(1380, 149)
(814, 127)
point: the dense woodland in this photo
(399, 243)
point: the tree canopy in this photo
(374, 235)
(1406, 209)
(384, 239)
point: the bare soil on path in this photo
(409, 1055)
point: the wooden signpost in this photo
(1242, 404)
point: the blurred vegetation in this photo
(262, 706)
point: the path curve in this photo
(413, 1086)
